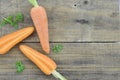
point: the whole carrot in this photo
(10, 40)
(47, 65)
(40, 21)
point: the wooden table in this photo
(89, 30)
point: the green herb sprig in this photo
(57, 48)
(19, 66)
(12, 20)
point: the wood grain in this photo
(76, 59)
(88, 29)
(66, 19)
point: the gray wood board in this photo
(70, 21)
(89, 32)
(77, 61)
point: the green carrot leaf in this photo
(19, 17)
(15, 24)
(12, 20)
(19, 66)
(3, 23)
(57, 48)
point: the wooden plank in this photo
(80, 76)
(70, 21)
(77, 61)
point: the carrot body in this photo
(46, 64)
(39, 17)
(10, 40)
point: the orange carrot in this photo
(10, 40)
(40, 21)
(46, 64)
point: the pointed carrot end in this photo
(31, 29)
(21, 47)
(47, 50)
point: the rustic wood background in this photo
(89, 30)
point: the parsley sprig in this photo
(19, 66)
(12, 20)
(57, 48)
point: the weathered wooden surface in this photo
(65, 17)
(78, 61)
(91, 49)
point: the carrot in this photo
(47, 65)
(39, 17)
(10, 40)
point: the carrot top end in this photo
(58, 75)
(34, 2)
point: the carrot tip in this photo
(21, 46)
(47, 50)
(31, 29)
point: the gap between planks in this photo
(80, 42)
